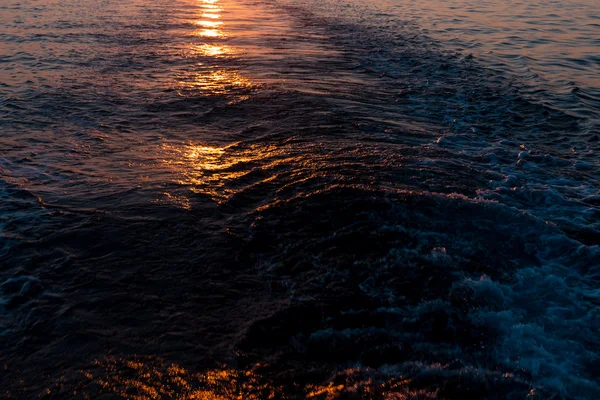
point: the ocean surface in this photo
(299, 199)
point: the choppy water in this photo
(223, 199)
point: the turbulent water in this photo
(285, 199)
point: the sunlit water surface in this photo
(219, 199)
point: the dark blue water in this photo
(225, 199)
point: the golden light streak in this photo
(210, 33)
(211, 50)
(201, 168)
(212, 12)
(209, 24)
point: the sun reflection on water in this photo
(210, 170)
(209, 76)
(151, 378)
(210, 33)
(202, 168)
(214, 82)
(211, 11)
(211, 50)
(209, 24)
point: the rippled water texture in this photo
(219, 199)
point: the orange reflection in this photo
(214, 82)
(153, 379)
(210, 33)
(208, 170)
(211, 50)
(365, 383)
(204, 169)
(205, 158)
(209, 78)
(209, 24)
(211, 11)
(150, 378)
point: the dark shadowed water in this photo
(285, 199)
